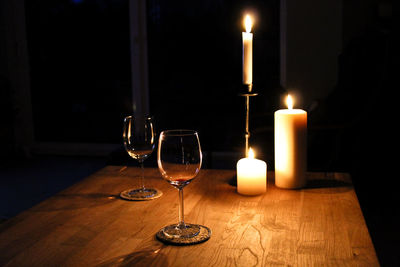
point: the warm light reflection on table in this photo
(320, 225)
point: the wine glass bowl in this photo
(179, 156)
(139, 136)
(179, 160)
(139, 141)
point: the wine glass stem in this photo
(142, 177)
(181, 220)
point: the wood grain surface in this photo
(89, 225)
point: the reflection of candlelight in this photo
(251, 175)
(247, 39)
(290, 146)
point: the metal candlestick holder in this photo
(248, 92)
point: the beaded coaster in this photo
(202, 236)
(151, 194)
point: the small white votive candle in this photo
(251, 175)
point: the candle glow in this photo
(248, 23)
(289, 101)
(251, 153)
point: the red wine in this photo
(180, 182)
(179, 175)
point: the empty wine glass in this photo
(179, 160)
(139, 141)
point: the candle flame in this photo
(289, 101)
(251, 153)
(248, 23)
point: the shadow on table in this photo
(75, 201)
(323, 186)
(146, 257)
(313, 183)
(323, 183)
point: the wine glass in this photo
(179, 160)
(139, 141)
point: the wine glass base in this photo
(177, 231)
(194, 235)
(141, 194)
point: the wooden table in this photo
(89, 225)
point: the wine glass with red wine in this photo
(139, 140)
(179, 160)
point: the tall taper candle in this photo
(290, 147)
(247, 40)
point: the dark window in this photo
(80, 69)
(81, 73)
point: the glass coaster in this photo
(139, 194)
(202, 236)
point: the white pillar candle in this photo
(251, 175)
(247, 40)
(290, 147)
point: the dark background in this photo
(80, 85)
(80, 60)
